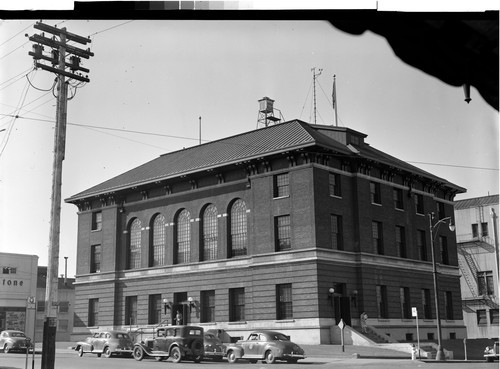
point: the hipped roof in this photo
(274, 139)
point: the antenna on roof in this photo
(266, 112)
(314, 88)
(334, 100)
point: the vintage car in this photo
(179, 342)
(214, 348)
(106, 343)
(267, 346)
(491, 353)
(12, 340)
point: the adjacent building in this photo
(477, 245)
(290, 227)
(18, 292)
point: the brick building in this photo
(254, 230)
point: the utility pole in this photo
(60, 49)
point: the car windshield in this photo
(209, 335)
(17, 334)
(279, 337)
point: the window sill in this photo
(236, 323)
(281, 197)
(336, 196)
(285, 321)
(376, 204)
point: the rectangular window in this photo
(131, 310)
(40, 306)
(63, 306)
(95, 258)
(494, 316)
(281, 185)
(440, 210)
(485, 282)
(377, 241)
(404, 299)
(481, 317)
(398, 198)
(336, 232)
(443, 248)
(154, 309)
(419, 203)
(93, 312)
(334, 184)
(381, 301)
(375, 193)
(9, 270)
(421, 245)
(426, 303)
(475, 231)
(284, 301)
(236, 304)
(207, 306)
(484, 230)
(448, 304)
(401, 241)
(282, 233)
(96, 221)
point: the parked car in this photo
(491, 352)
(106, 343)
(267, 346)
(179, 342)
(12, 340)
(214, 348)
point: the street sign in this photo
(414, 312)
(341, 324)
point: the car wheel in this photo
(197, 359)
(175, 354)
(231, 357)
(270, 358)
(107, 352)
(138, 353)
(6, 349)
(80, 351)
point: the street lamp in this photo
(440, 352)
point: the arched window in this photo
(158, 241)
(134, 247)
(210, 233)
(238, 219)
(183, 237)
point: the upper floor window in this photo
(484, 230)
(398, 198)
(419, 203)
(95, 258)
(183, 237)
(238, 226)
(481, 317)
(159, 241)
(9, 270)
(96, 221)
(440, 210)
(375, 193)
(282, 233)
(281, 185)
(336, 232)
(377, 241)
(207, 306)
(475, 231)
(284, 308)
(485, 282)
(135, 244)
(421, 245)
(443, 248)
(93, 313)
(210, 233)
(401, 241)
(334, 184)
(236, 304)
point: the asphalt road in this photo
(69, 360)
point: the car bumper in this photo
(294, 356)
(213, 354)
(123, 351)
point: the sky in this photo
(150, 81)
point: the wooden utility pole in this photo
(60, 49)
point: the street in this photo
(70, 360)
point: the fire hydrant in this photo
(413, 352)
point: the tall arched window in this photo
(238, 220)
(134, 247)
(210, 233)
(158, 241)
(183, 237)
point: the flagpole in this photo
(334, 100)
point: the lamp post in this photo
(440, 352)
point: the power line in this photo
(3, 43)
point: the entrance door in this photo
(342, 307)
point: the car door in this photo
(99, 342)
(251, 345)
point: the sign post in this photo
(414, 313)
(341, 326)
